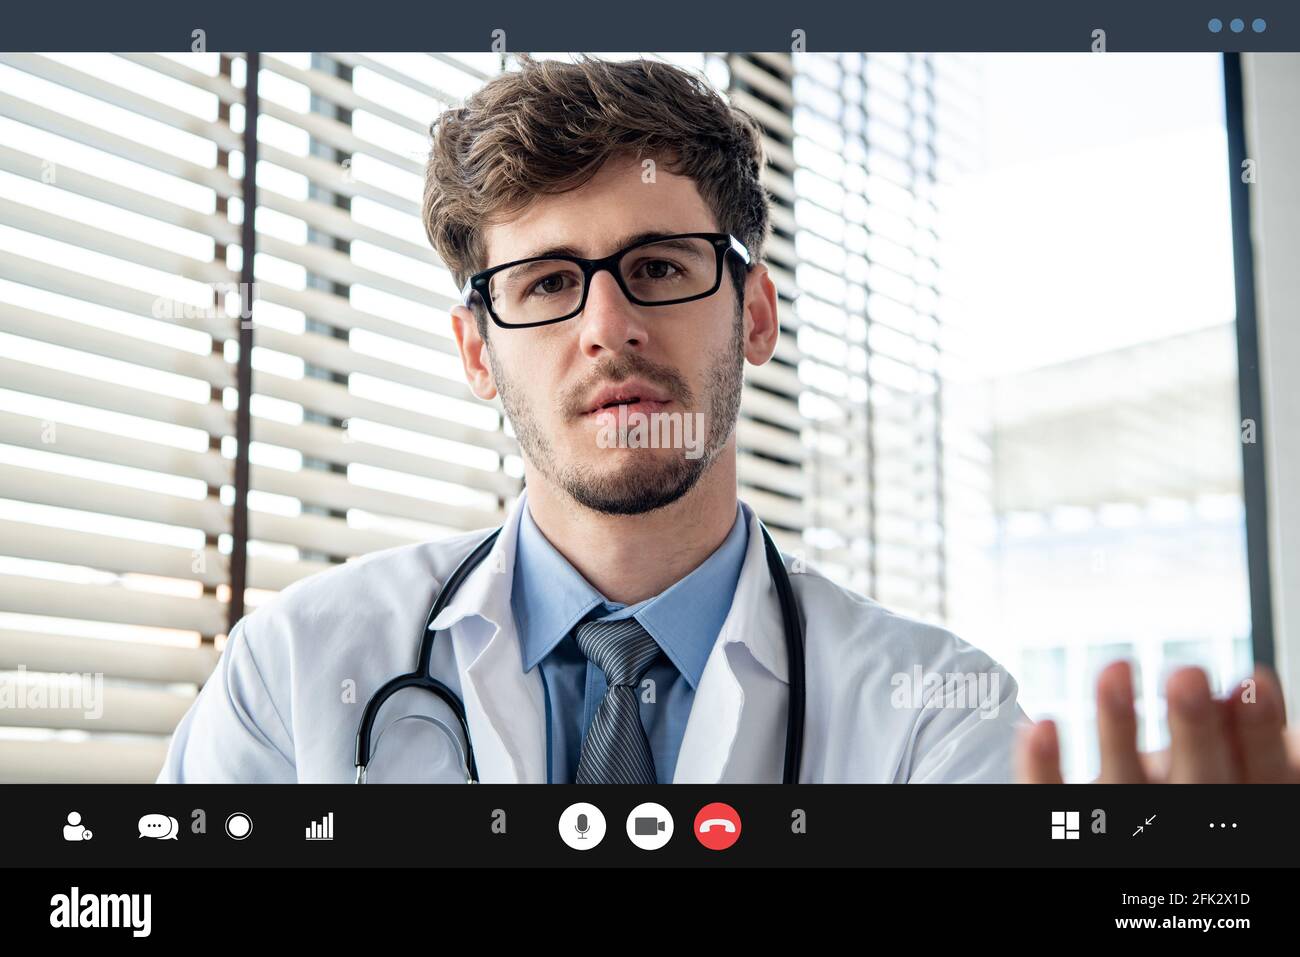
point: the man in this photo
(607, 223)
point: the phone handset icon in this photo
(717, 826)
(716, 822)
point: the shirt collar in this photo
(549, 597)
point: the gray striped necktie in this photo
(615, 750)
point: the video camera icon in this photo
(650, 826)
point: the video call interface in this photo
(730, 420)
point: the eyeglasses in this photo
(659, 271)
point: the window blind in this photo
(114, 242)
(852, 168)
(121, 207)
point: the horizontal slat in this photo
(138, 660)
(98, 706)
(45, 223)
(334, 178)
(338, 135)
(773, 441)
(320, 533)
(337, 222)
(99, 341)
(774, 508)
(337, 355)
(790, 480)
(462, 66)
(334, 491)
(315, 532)
(32, 432)
(333, 399)
(44, 543)
(219, 86)
(111, 553)
(52, 121)
(95, 393)
(73, 180)
(272, 574)
(337, 446)
(111, 93)
(340, 268)
(765, 405)
(775, 377)
(339, 92)
(357, 60)
(749, 72)
(782, 188)
(782, 63)
(39, 596)
(779, 153)
(338, 312)
(108, 759)
(788, 543)
(780, 250)
(771, 118)
(66, 282)
(66, 491)
(313, 302)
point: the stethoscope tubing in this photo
(421, 678)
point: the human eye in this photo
(540, 280)
(550, 285)
(657, 270)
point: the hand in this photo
(1228, 741)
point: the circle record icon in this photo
(239, 825)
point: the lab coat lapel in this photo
(725, 737)
(504, 706)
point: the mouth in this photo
(635, 404)
(628, 398)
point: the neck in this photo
(629, 558)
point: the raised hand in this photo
(1238, 739)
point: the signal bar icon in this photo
(322, 830)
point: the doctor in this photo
(624, 626)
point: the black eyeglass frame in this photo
(723, 243)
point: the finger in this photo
(1117, 726)
(1038, 754)
(1259, 721)
(1156, 766)
(1293, 754)
(1199, 751)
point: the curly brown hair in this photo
(549, 127)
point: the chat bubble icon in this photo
(158, 826)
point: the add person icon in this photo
(73, 830)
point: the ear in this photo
(472, 353)
(762, 325)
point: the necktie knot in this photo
(622, 649)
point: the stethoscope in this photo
(420, 677)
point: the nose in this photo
(610, 322)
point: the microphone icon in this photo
(581, 826)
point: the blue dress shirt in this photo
(550, 598)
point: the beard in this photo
(648, 481)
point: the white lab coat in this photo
(287, 694)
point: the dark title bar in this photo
(660, 26)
